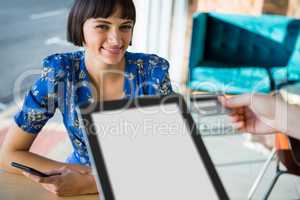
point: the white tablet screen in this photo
(149, 154)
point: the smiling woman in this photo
(104, 70)
(117, 32)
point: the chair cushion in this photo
(230, 80)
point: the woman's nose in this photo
(114, 37)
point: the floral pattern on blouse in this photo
(64, 84)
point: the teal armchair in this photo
(238, 53)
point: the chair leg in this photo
(261, 174)
(278, 174)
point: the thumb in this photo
(236, 101)
(57, 171)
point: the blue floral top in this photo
(64, 84)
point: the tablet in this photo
(148, 148)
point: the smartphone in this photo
(30, 170)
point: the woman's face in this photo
(107, 39)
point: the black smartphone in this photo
(30, 170)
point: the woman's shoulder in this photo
(153, 67)
(63, 61)
(59, 65)
(151, 60)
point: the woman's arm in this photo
(74, 179)
(16, 148)
(39, 106)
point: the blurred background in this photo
(33, 29)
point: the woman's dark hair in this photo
(85, 9)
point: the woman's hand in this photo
(70, 182)
(257, 113)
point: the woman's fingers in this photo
(60, 184)
(42, 180)
(70, 182)
(51, 184)
(79, 169)
(57, 171)
(50, 187)
(32, 177)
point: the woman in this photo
(103, 71)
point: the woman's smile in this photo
(113, 50)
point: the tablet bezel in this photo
(94, 148)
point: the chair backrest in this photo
(240, 53)
(285, 154)
(281, 142)
(295, 147)
(245, 40)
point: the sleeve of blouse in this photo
(165, 86)
(159, 74)
(40, 102)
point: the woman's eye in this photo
(126, 28)
(103, 27)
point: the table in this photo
(15, 187)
